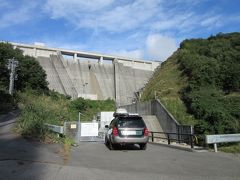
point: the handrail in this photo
(189, 137)
(170, 133)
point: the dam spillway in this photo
(92, 76)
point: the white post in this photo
(35, 52)
(215, 147)
(100, 60)
(75, 57)
(79, 126)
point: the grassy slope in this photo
(38, 109)
(232, 148)
(167, 82)
(56, 110)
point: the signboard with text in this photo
(89, 129)
(211, 139)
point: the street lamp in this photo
(84, 86)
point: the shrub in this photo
(32, 121)
(213, 70)
(7, 102)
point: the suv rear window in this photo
(131, 122)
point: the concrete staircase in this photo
(153, 124)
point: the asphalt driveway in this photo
(25, 159)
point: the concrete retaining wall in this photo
(168, 123)
(142, 108)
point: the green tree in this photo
(30, 73)
(213, 69)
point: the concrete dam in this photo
(90, 75)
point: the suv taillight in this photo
(145, 132)
(115, 131)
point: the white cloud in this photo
(135, 54)
(135, 28)
(140, 15)
(109, 15)
(177, 20)
(73, 8)
(210, 21)
(12, 15)
(159, 47)
(60, 43)
(4, 4)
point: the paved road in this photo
(24, 159)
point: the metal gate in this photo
(84, 131)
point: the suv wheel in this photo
(111, 146)
(106, 142)
(143, 146)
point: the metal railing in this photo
(221, 138)
(174, 137)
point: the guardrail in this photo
(55, 128)
(221, 138)
(188, 138)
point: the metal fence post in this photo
(191, 141)
(215, 147)
(79, 126)
(168, 138)
(152, 136)
(178, 134)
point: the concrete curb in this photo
(13, 113)
(178, 147)
(5, 118)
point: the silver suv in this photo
(126, 129)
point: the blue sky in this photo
(143, 29)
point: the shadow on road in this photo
(129, 147)
(22, 158)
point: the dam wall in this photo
(91, 75)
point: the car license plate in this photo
(138, 133)
(127, 133)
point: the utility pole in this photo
(12, 64)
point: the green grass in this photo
(178, 110)
(167, 83)
(45, 108)
(234, 148)
(38, 109)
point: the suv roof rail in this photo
(133, 114)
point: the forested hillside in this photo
(200, 83)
